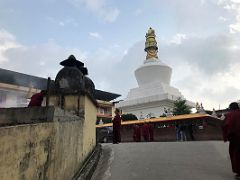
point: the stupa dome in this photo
(69, 79)
(89, 85)
(153, 70)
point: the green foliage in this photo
(180, 107)
(105, 120)
(163, 115)
(129, 117)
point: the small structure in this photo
(200, 109)
(214, 114)
(141, 116)
(222, 116)
(70, 84)
(154, 91)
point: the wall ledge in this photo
(34, 115)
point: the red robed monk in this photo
(36, 99)
(151, 131)
(231, 133)
(136, 133)
(117, 127)
(145, 132)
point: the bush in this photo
(163, 115)
(129, 117)
(180, 107)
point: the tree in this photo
(180, 107)
(163, 115)
(129, 117)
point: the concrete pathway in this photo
(207, 160)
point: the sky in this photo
(198, 39)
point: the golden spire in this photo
(151, 44)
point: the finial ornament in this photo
(151, 44)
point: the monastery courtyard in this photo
(208, 160)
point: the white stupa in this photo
(154, 93)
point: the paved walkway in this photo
(207, 160)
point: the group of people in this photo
(145, 131)
(231, 133)
(230, 127)
(183, 132)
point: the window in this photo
(3, 98)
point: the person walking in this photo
(145, 132)
(231, 133)
(178, 134)
(151, 131)
(136, 133)
(117, 127)
(190, 132)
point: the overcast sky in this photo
(199, 39)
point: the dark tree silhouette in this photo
(129, 117)
(180, 107)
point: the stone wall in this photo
(89, 125)
(53, 149)
(15, 116)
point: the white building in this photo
(154, 94)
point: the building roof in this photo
(20, 79)
(25, 80)
(105, 96)
(178, 118)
